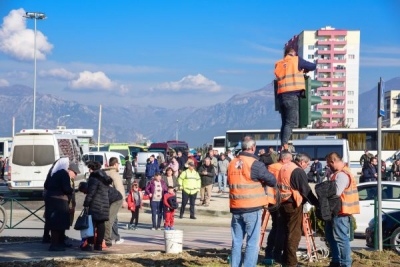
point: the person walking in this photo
(337, 229)
(246, 178)
(190, 183)
(289, 73)
(295, 191)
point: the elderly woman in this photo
(58, 191)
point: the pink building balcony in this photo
(324, 70)
(341, 52)
(323, 60)
(323, 52)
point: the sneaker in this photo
(166, 228)
(120, 241)
(153, 229)
(135, 228)
(87, 248)
(171, 228)
(193, 217)
(158, 229)
(108, 244)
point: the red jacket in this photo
(131, 200)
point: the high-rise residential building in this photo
(392, 109)
(337, 55)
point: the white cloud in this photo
(93, 81)
(4, 82)
(190, 82)
(58, 73)
(18, 42)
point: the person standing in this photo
(370, 170)
(207, 174)
(151, 168)
(135, 204)
(98, 203)
(156, 190)
(337, 230)
(58, 192)
(246, 178)
(170, 205)
(265, 157)
(365, 158)
(128, 174)
(170, 179)
(295, 191)
(111, 226)
(315, 171)
(289, 73)
(223, 164)
(190, 183)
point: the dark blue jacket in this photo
(151, 169)
(306, 65)
(316, 167)
(369, 172)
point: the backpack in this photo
(173, 203)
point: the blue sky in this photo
(178, 53)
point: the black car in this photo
(390, 231)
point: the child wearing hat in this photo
(170, 204)
(135, 203)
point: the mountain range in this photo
(252, 110)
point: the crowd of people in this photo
(255, 184)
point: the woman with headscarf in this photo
(58, 191)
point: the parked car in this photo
(390, 231)
(367, 192)
(103, 157)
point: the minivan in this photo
(103, 158)
(32, 155)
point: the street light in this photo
(58, 120)
(35, 16)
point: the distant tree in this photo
(319, 124)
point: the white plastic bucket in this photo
(173, 241)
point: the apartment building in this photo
(337, 55)
(392, 109)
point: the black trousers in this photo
(135, 216)
(100, 227)
(192, 201)
(276, 237)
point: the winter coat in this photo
(128, 171)
(151, 187)
(116, 179)
(330, 204)
(174, 184)
(208, 178)
(131, 200)
(97, 195)
(113, 195)
(152, 169)
(266, 159)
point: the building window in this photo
(310, 56)
(350, 120)
(350, 111)
(350, 92)
(350, 102)
(351, 56)
(310, 47)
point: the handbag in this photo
(88, 232)
(83, 220)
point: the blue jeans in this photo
(222, 179)
(289, 106)
(245, 223)
(337, 234)
(156, 211)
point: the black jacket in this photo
(266, 159)
(113, 195)
(209, 178)
(128, 172)
(329, 203)
(97, 195)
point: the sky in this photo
(178, 53)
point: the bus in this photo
(359, 139)
(135, 149)
(219, 144)
(121, 148)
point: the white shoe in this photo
(118, 242)
(153, 229)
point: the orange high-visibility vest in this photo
(288, 75)
(349, 197)
(284, 184)
(243, 191)
(271, 191)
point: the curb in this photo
(211, 213)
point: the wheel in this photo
(395, 240)
(3, 218)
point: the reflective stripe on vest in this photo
(243, 191)
(284, 184)
(288, 76)
(271, 191)
(349, 197)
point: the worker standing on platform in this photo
(295, 191)
(289, 73)
(246, 178)
(336, 230)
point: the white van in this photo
(103, 158)
(33, 153)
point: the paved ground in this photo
(210, 230)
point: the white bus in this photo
(359, 139)
(219, 144)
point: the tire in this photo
(3, 218)
(395, 240)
